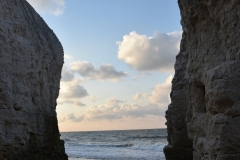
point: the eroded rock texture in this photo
(31, 59)
(180, 146)
(207, 81)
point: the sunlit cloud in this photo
(161, 92)
(114, 109)
(55, 7)
(139, 97)
(68, 57)
(155, 53)
(75, 91)
(153, 104)
(71, 92)
(103, 72)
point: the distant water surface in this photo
(116, 145)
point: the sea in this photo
(144, 144)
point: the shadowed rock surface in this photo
(206, 85)
(31, 59)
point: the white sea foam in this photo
(116, 145)
(148, 146)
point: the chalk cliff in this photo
(31, 59)
(206, 86)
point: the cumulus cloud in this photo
(160, 93)
(150, 53)
(105, 71)
(139, 96)
(79, 103)
(114, 109)
(72, 102)
(72, 117)
(71, 92)
(67, 57)
(55, 7)
(75, 91)
(67, 75)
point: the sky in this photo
(119, 60)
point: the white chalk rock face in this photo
(31, 59)
(207, 81)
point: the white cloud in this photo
(73, 102)
(161, 92)
(67, 57)
(55, 7)
(114, 109)
(75, 91)
(67, 75)
(150, 53)
(139, 97)
(71, 92)
(105, 71)
(78, 103)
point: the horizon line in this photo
(114, 130)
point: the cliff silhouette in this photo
(31, 60)
(203, 119)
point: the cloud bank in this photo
(150, 53)
(104, 71)
(55, 7)
(114, 109)
(71, 85)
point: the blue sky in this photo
(119, 58)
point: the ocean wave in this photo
(66, 139)
(148, 146)
(136, 145)
(117, 145)
(101, 145)
(148, 137)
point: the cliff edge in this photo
(31, 59)
(203, 119)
